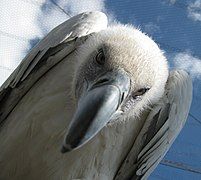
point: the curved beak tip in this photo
(95, 109)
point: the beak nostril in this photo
(101, 81)
(122, 97)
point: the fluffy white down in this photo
(137, 54)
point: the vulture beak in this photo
(95, 108)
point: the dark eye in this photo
(140, 92)
(100, 57)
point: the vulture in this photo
(91, 102)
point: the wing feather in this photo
(52, 49)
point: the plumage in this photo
(39, 101)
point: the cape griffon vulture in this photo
(102, 94)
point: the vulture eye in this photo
(100, 57)
(140, 92)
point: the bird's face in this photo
(121, 72)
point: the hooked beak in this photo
(95, 108)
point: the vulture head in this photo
(120, 71)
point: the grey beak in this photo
(95, 108)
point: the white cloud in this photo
(17, 18)
(172, 1)
(189, 63)
(52, 15)
(194, 10)
(17, 26)
(25, 20)
(151, 28)
(76, 6)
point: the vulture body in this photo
(81, 67)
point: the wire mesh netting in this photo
(175, 25)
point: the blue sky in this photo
(174, 24)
